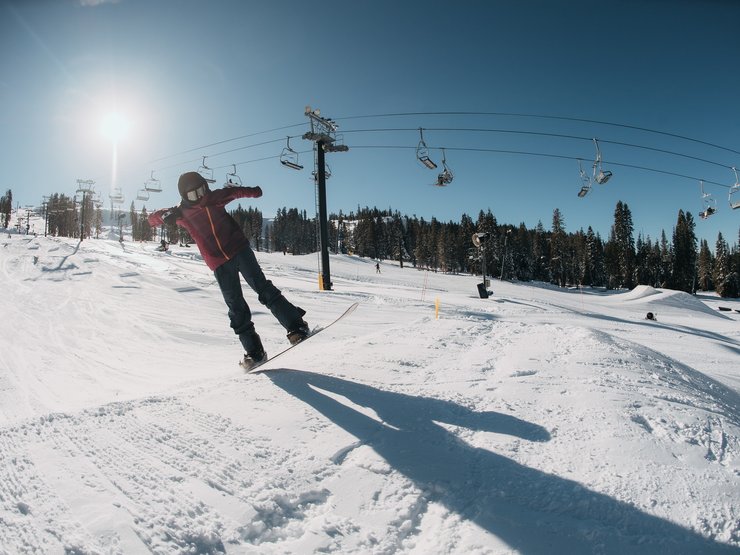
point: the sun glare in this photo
(114, 126)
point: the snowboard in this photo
(261, 367)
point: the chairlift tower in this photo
(84, 186)
(323, 134)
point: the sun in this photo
(115, 126)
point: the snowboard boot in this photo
(299, 332)
(253, 360)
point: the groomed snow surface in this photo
(538, 421)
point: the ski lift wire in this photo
(547, 155)
(541, 134)
(181, 164)
(545, 116)
(200, 148)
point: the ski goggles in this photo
(196, 194)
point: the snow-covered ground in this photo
(538, 421)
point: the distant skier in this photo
(227, 252)
(377, 267)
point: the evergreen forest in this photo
(546, 253)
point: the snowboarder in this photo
(227, 252)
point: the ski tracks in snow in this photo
(181, 480)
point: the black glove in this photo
(170, 217)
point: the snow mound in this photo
(665, 300)
(679, 300)
(639, 292)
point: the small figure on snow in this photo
(162, 246)
(227, 252)
(377, 267)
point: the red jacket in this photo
(216, 233)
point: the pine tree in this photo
(558, 249)
(684, 253)
(466, 251)
(6, 207)
(134, 217)
(726, 280)
(541, 253)
(493, 250)
(521, 254)
(597, 256)
(648, 262)
(577, 257)
(624, 247)
(98, 220)
(146, 232)
(666, 262)
(704, 271)
(508, 246)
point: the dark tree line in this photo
(554, 255)
(69, 217)
(292, 231)
(251, 223)
(140, 229)
(6, 207)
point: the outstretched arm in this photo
(226, 195)
(164, 215)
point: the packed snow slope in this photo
(537, 421)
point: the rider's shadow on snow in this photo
(532, 511)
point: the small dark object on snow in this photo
(651, 316)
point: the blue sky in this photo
(191, 74)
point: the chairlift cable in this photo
(506, 114)
(547, 155)
(226, 141)
(544, 116)
(543, 134)
(180, 164)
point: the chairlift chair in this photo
(708, 202)
(734, 191)
(206, 172)
(153, 184)
(422, 153)
(142, 194)
(327, 173)
(116, 197)
(289, 158)
(602, 176)
(232, 179)
(586, 180)
(446, 177)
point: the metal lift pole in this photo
(323, 134)
(323, 218)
